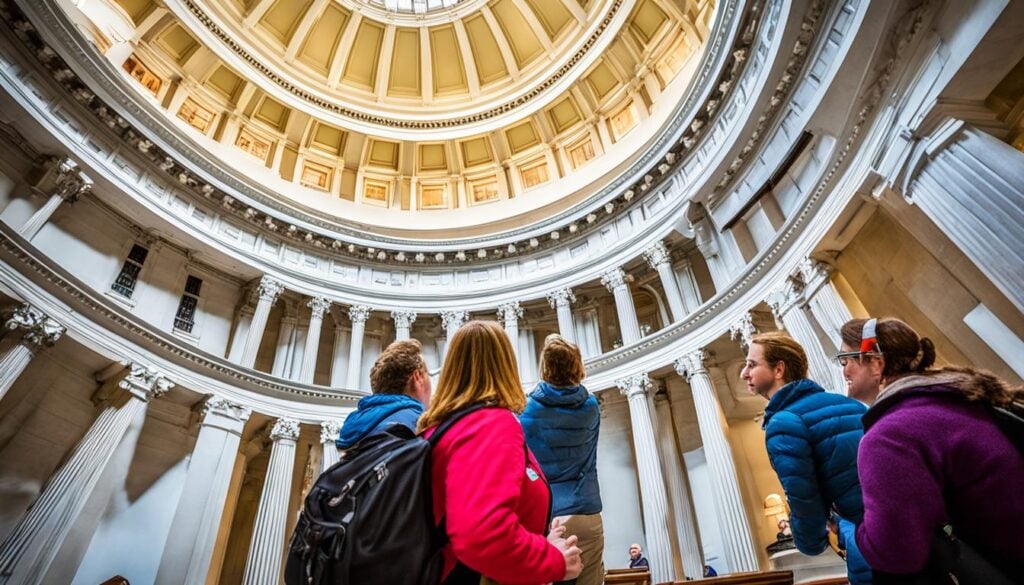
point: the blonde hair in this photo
(480, 367)
(561, 364)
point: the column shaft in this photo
(266, 551)
(283, 355)
(566, 327)
(628, 323)
(672, 292)
(255, 333)
(328, 435)
(822, 370)
(312, 347)
(12, 364)
(355, 355)
(678, 483)
(40, 217)
(338, 366)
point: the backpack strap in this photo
(453, 418)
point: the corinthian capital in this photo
(39, 329)
(285, 428)
(634, 385)
(63, 178)
(452, 320)
(329, 430)
(613, 279)
(217, 406)
(144, 382)
(743, 330)
(692, 364)
(269, 289)
(319, 306)
(403, 319)
(562, 297)
(510, 312)
(657, 254)
(812, 271)
(359, 313)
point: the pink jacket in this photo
(495, 502)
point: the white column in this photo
(358, 314)
(688, 286)
(285, 346)
(652, 484)
(973, 189)
(241, 331)
(65, 182)
(79, 491)
(509, 314)
(268, 291)
(266, 551)
(787, 304)
(590, 332)
(707, 243)
(658, 258)
(193, 534)
(737, 540)
(318, 307)
(826, 305)
(342, 335)
(403, 324)
(29, 331)
(629, 327)
(329, 431)
(451, 321)
(561, 301)
(678, 483)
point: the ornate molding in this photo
(692, 364)
(509, 312)
(329, 430)
(657, 254)
(635, 385)
(269, 289)
(613, 279)
(452, 320)
(562, 297)
(40, 331)
(144, 382)
(285, 429)
(359, 313)
(218, 406)
(743, 330)
(319, 306)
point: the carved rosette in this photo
(634, 385)
(40, 331)
(657, 254)
(562, 297)
(319, 306)
(452, 320)
(613, 279)
(217, 406)
(692, 364)
(743, 330)
(269, 289)
(144, 382)
(510, 312)
(403, 319)
(359, 313)
(329, 430)
(285, 428)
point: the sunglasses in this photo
(846, 356)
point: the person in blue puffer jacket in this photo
(561, 423)
(812, 438)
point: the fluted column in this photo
(65, 182)
(358, 314)
(737, 540)
(39, 550)
(828, 308)
(29, 331)
(451, 321)
(338, 365)
(658, 258)
(266, 551)
(285, 347)
(561, 301)
(318, 307)
(652, 484)
(688, 287)
(329, 430)
(403, 324)
(787, 304)
(268, 290)
(678, 484)
(615, 280)
(193, 534)
(509, 314)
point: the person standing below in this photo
(932, 455)
(636, 557)
(811, 437)
(400, 386)
(490, 494)
(561, 423)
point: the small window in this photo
(124, 284)
(185, 318)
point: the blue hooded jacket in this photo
(812, 438)
(374, 413)
(561, 427)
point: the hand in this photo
(572, 555)
(557, 529)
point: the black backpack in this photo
(369, 518)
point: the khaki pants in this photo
(590, 531)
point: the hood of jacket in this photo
(787, 395)
(371, 412)
(569, 397)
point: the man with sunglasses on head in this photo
(811, 436)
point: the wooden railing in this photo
(765, 578)
(627, 577)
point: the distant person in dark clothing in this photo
(401, 389)
(710, 571)
(636, 557)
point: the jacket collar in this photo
(571, 396)
(939, 383)
(789, 394)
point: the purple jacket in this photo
(925, 460)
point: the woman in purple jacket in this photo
(931, 453)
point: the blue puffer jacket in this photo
(561, 427)
(812, 439)
(375, 413)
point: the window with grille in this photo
(124, 284)
(185, 318)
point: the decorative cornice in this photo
(285, 429)
(359, 313)
(329, 430)
(403, 319)
(562, 297)
(40, 331)
(144, 382)
(635, 385)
